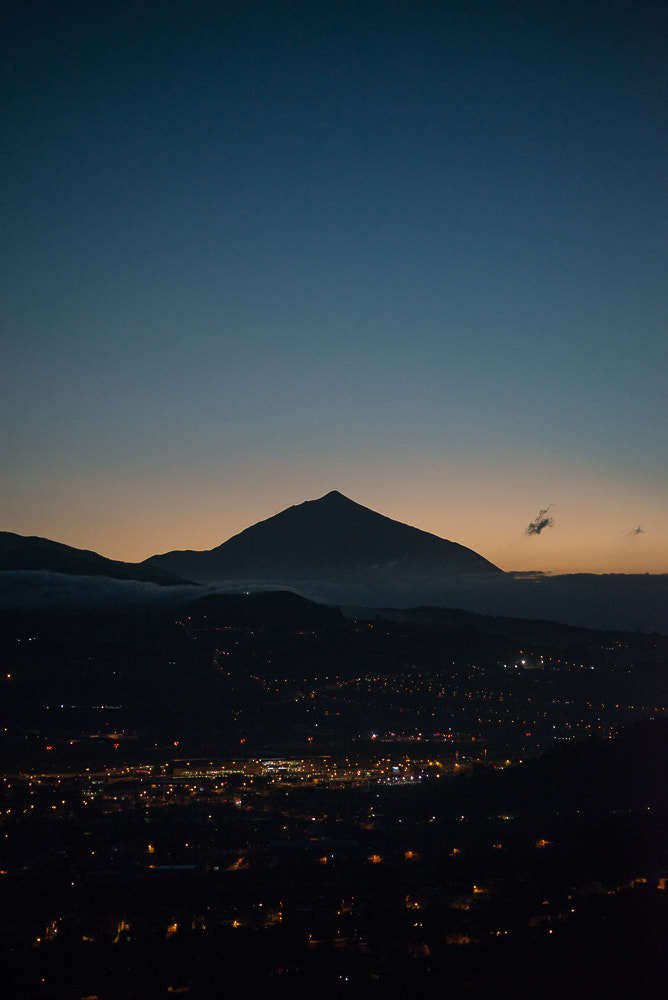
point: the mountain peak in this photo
(334, 497)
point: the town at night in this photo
(264, 795)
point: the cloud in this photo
(542, 520)
(600, 601)
(35, 589)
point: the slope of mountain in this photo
(331, 539)
(19, 552)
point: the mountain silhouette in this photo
(21, 552)
(332, 539)
(336, 552)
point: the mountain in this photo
(19, 552)
(331, 540)
(335, 551)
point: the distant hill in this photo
(19, 552)
(333, 540)
(273, 609)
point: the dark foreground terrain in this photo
(263, 797)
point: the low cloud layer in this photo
(42, 589)
(542, 520)
(612, 601)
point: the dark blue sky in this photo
(413, 251)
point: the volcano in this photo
(332, 540)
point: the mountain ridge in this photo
(32, 552)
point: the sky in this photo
(412, 251)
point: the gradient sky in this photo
(413, 251)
